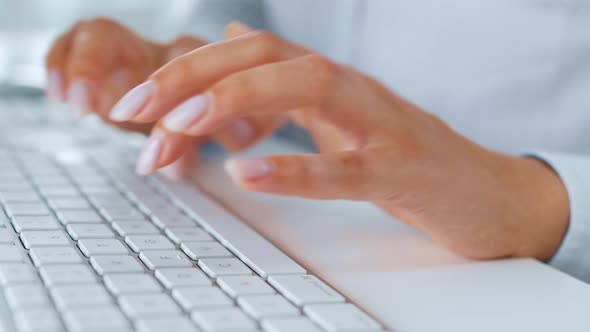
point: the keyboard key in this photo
(10, 254)
(89, 231)
(25, 296)
(32, 239)
(91, 247)
(264, 306)
(125, 228)
(74, 203)
(106, 318)
(139, 243)
(26, 209)
(17, 274)
(289, 324)
(176, 219)
(159, 259)
(37, 320)
(172, 323)
(305, 289)
(142, 305)
(116, 213)
(341, 317)
(58, 255)
(20, 197)
(101, 201)
(205, 297)
(78, 217)
(6, 234)
(223, 319)
(200, 250)
(131, 283)
(187, 234)
(215, 267)
(236, 286)
(115, 264)
(179, 277)
(54, 191)
(35, 223)
(74, 296)
(66, 274)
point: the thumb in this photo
(356, 175)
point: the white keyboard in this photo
(93, 247)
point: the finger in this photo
(181, 166)
(274, 89)
(163, 148)
(235, 29)
(196, 71)
(244, 133)
(356, 175)
(54, 64)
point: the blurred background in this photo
(27, 28)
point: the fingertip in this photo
(246, 170)
(55, 85)
(238, 136)
(78, 96)
(132, 103)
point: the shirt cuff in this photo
(573, 255)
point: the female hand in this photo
(374, 146)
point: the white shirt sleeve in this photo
(573, 256)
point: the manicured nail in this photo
(78, 99)
(132, 103)
(186, 114)
(241, 132)
(150, 153)
(248, 168)
(55, 85)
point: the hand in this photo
(374, 146)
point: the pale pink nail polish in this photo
(248, 168)
(150, 153)
(55, 85)
(187, 114)
(131, 104)
(78, 99)
(241, 132)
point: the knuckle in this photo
(265, 44)
(232, 92)
(325, 74)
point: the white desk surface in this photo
(403, 279)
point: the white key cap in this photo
(75, 296)
(187, 234)
(20, 197)
(305, 289)
(57, 255)
(139, 243)
(179, 277)
(106, 318)
(89, 231)
(236, 286)
(91, 247)
(171, 324)
(52, 191)
(6, 234)
(73, 203)
(115, 213)
(264, 306)
(101, 201)
(26, 296)
(141, 305)
(341, 317)
(168, 258)
(172, 220)
(17, 273)
(35, 223)
(38, 319)
(26, 209)
(289, 324)
(125, 228)
(79, 217)
(131, 283)
(32, 239)
(215, 267)
(66, 274)
(223, 319)
(253, 249)
(200, 250)
(201, 297)
(10, 254)
(115, 264)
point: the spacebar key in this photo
(250, 247)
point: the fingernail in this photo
(186, 114)
(241, 132)
(248, 168)
(150, 153)
(55, 85)
(132, 103)
(78, 97)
